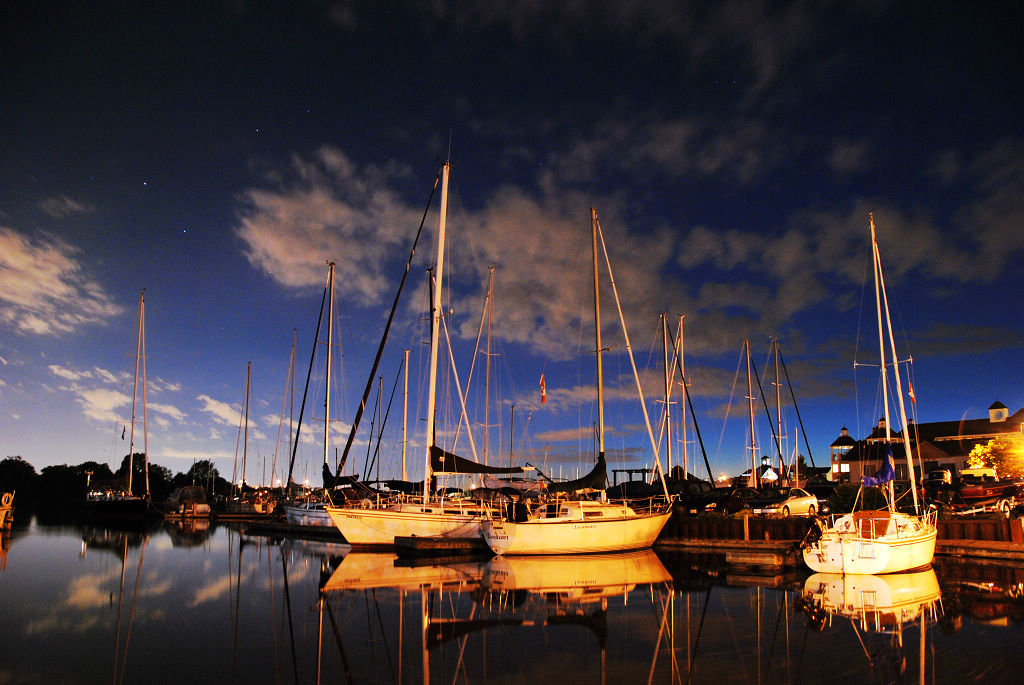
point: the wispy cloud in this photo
(61, 206)
(44, 288)
(221, 412)
(325, 208)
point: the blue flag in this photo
(884, 474)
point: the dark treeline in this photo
(62, 488)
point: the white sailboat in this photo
(378, 523)
(116, 504)
(579, 526)
(886, 541)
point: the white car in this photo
(794, 502)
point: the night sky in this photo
(218, 154)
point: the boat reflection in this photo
(468, 606)
(370, 570)
(877, 603)
(880, 606)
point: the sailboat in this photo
(117, 504)
(378, 522)
(310, 509)
(573, 526)
(885, 541)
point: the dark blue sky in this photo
(217, 154)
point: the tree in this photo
(1004, 453)
(18, 475)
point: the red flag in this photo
(543, 390)
(913, 398)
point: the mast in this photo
(145, 401)
(135, 391)
(668, 393)
(435, 326)
(778, 403)
(597, 336)
(882, 299)
(405, 415)
(682, 408)
(755, 477)
(330, 350)
(487, 373)
(289, 382)
(245, 435)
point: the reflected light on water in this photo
(166, 604)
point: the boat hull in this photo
(560, 536)
(308, 514)
(908, 543)
(380, 526)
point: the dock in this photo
(439, 546)
(771, 554)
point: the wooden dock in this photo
(776, 554)
(439, 546)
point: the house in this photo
(934, 445)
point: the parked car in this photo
(788, 502)
(691, 493)
(728, 500)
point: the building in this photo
(942, 443)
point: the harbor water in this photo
(211, 604)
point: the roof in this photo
(843, 441)
(998, 405)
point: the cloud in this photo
(221, 412)
(849, 157)
(61, 206)
(68, 374)
(328, 209)
(100, 403)
(44, 289)
(167, 410)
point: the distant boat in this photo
(188, 502)
(116, 503)
(571, 526)
(6, 510)
(887, 541)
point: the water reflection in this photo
(877, 607)
(501, 604)
(169, 603)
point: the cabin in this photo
(943, 444)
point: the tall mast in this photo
(778, 404)
(145, 401)
(682, 406)
(882, 299)
(245, 435)
(135, 391)
(330, 350)
(405, 415)
(755, 476)
(597, 336)
(487, 373)
(435, 326)
(668, 392)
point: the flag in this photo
(884, 474)
(913, 398)
(123, 429)
(543, 390)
